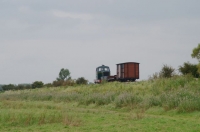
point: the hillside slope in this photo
(156, 105)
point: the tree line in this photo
(63, 79)
(187, 67)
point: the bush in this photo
(9, 87)
(167, 71)
(69, 82)
(37, 84)
(189, 68)
(59, 83)
(81, 80)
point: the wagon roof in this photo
(127, 63)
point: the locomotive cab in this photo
(102, 73)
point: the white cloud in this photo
(81, 16)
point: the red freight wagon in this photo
(128, 71)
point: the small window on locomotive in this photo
(100, 69)
(107, 69)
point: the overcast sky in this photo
(39, 37)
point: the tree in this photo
(37, 84)
(196, 53)
(81, 80)
(64, 74)
(167, 71)
(189, 68)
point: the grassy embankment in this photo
(160, 105)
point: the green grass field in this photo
(158, 105)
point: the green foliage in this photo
(167, 71)
(48, 85)
(9, 87)
(196, 53)
(198, 67)
(69, 82)
(189, 68)
(64, 74)
(37, 84)
(59, 83)
(16, 87)
(81, 80)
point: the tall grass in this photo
(23, 113)
(180, 93)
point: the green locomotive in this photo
(102, 73)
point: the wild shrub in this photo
(167, 71)
(37, 84)
(69, 83)
(81, 80)
(189, 68)
(58, 83)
